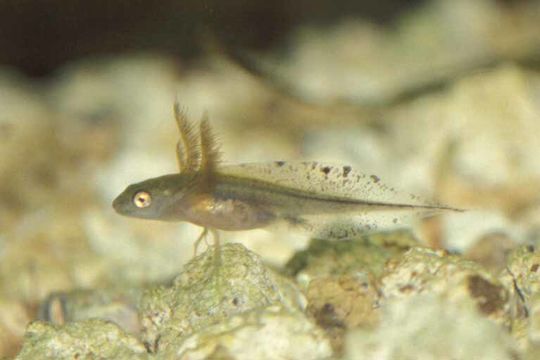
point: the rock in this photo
(427, 327)
(491, 251)
(269, 333)
(426, 271)
(521, 277)
(113, 304)
(341, 303)
(14, 317)
(206, 293)
(89, 339)
(365, 254)
(341, 279)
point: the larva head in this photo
(157, 198)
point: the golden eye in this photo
(142, 199)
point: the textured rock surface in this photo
(340, 279)
(116, 305)
(421, 270)
(424, 327)
(521, 276)
(271, 333)
(343, 302)
(366, 254)
(236, 309)
(206, 293)
(89, 339)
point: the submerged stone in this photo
(89, 339)
(521, 277)
(117, 305)
(428, 327)
(271, 333)
(208, 292)
(422, 271)
(367, 253)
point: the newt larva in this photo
(256, 195)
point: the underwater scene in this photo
(240, 180)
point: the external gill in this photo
(198, 153)
(188, 152)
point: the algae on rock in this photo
(341, 279)
(237, 307)
(422, 270)
(366, 254)
(521, 277)
(272, 333)
(206, 293)
(89, 339)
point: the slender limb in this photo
(188, 152)
(217, 247)
(201, 237)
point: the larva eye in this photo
(142, 199)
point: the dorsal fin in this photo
(188, 152)
(331, 180)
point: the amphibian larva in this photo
(256, 195)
